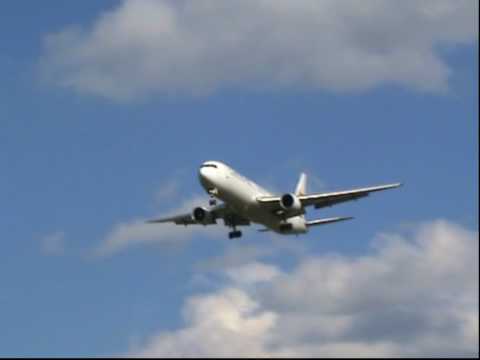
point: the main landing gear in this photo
(230, 222)
(234, 234)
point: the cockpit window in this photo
(208, 165)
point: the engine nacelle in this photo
(294, 225)
(291, 203)
(203, 216)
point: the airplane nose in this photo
(205, 175)
(202, 172)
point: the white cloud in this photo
(415, 295)
(167, 191)
(227, 323)
(148, 47)
(136, 231)
(236, 254)
(54, 243)
(252, 273)
(169, 188)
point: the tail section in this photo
(328, 220)
(301, 188)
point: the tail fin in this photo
(301, 188)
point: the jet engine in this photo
(291, 203)
(203, 216)
(293, 225)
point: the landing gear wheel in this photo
(234, 234)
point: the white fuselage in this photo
(240, 194)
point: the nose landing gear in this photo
(212, 193)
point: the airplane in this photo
(245, 202)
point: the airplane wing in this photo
(221, 211)
(327, 199)
(184, 219)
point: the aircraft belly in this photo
(242, 199)
(237, 196)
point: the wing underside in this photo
(184, 219)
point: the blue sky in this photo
(80, 158)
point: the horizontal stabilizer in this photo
(328, 220)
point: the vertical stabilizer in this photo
(301, 188)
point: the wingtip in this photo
(151, 221)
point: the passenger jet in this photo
(245, 202)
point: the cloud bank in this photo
(415, 295)
(147, 47)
